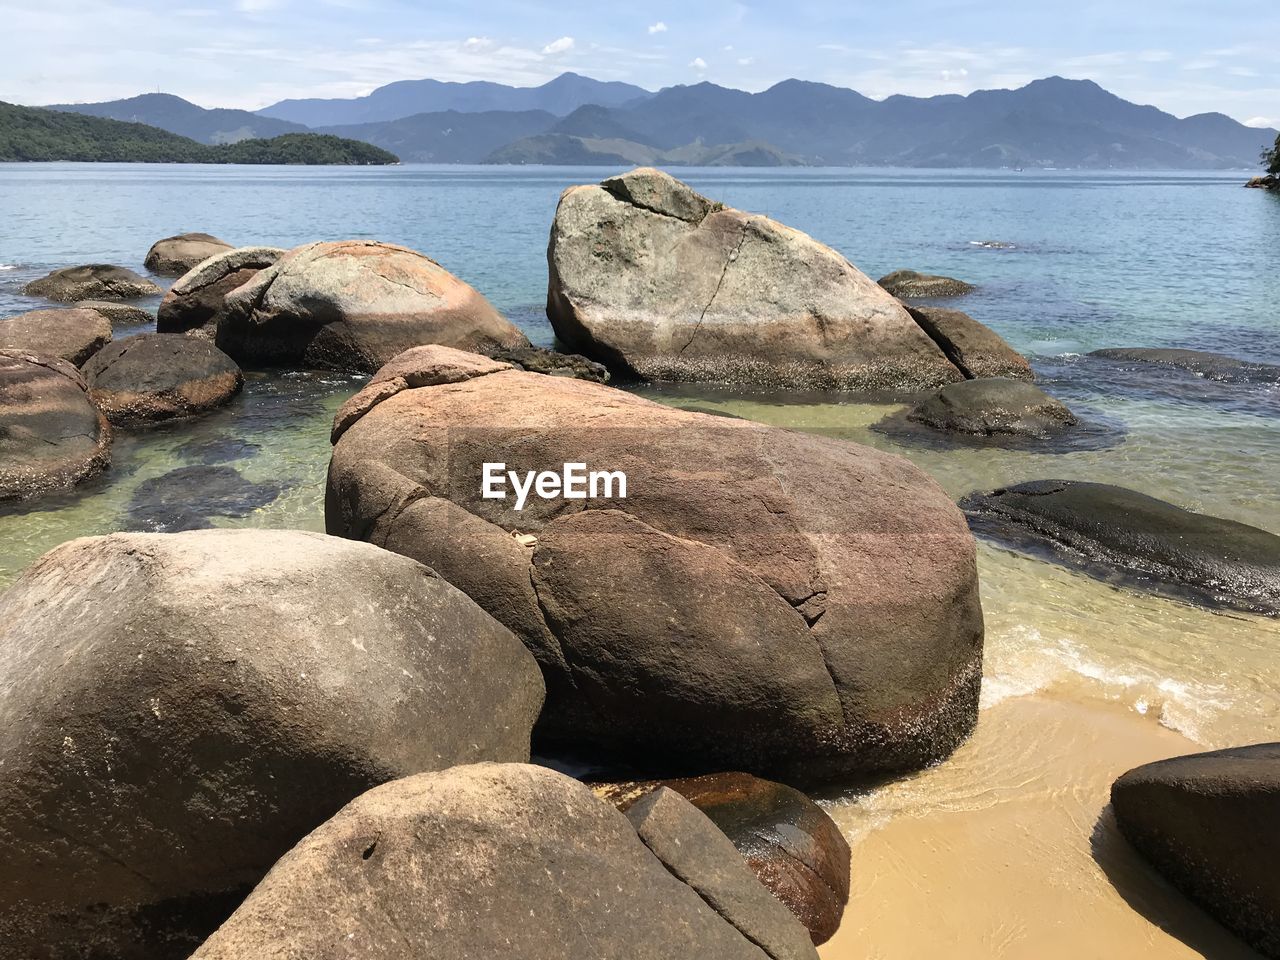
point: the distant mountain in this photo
(179, 116)
(407, 98)
(448, 137)
(576, 120)
(34, 134)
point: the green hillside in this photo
(32, 134)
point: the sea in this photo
(1065, 262)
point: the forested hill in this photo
(33, 134)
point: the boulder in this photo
(73, 335)
(1208, 823)
(994, 406)
(552, 363)
(176, 711)
(510, 861)
(119, 314)
(197, 301)
(1268, 182)
(1211, 366)
(174, 256)
(788, 842)
(96, 281)
(51, 435)
(1146, 542)
(161, 376)
(353, 306)
(910, 285)
(756, 599)
(655, 280)
(977, 350)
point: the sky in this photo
(1184, 57)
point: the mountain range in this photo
(1052, 122)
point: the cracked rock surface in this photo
(51, 435)
(179, 710)
(653, 279)
(512, 861)
(197, 300)
(762, 600)
(354, 305)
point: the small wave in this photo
(993, 244)
(10, 266)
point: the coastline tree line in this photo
(32, 134)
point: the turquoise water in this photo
(1085, 261)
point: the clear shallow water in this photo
(1095, 260)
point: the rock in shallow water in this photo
(178, 711)
(96, 281)
(994, 406)
(51, 435)
(153, 377)
(1210, 823)
(189, 497)
(197, 301)
(353, 306)
(910, 285)
(1138, 539)
(1211, 366)
(74, 334)
(977, 350)
(174, 256)
(789, 843)
(650, 277)
(515, 862)
(760, 600)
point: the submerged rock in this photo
(1144, 541)
(189, 497)
(653, 279)
(1211, 366)
(910, 285)
(789, 843)
(1208, 823)
(96, 281)
(760, 600)
(180, 710)
(51, 435)
(553, 363)
(354, 306)
(218, 450)
(977, 350)
(119, 314)
(153, 377)
(174, 256)
(994, 406)
(73, 335)
(510, 861)
(197, 301)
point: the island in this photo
(34, 134)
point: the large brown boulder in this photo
(160, 376)
(977, 350)
(51, 435)
(652, 278)
(353, 306)
(174, 256)
(197, 301)
(95, 281)
(787, 840)
(514, 862)
(74, 334)
(760, 600)
(176, 711)
(1209, 823)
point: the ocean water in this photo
(1065, 263)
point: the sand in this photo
(1008, 849)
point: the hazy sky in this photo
(1185, 57)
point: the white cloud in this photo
(959, 74)
(658, 27)
(563, 45)
(746, 61)
(1262, 122)
(477, 43)
(698, 63)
